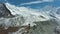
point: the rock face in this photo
(10, 29)
(57, 30)
(4, 12)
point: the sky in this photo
(33, 3)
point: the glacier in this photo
(45, 20)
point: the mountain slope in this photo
(44, 22)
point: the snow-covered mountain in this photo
(45, 20)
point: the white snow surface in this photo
(25, 16)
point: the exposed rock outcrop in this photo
(4, 12)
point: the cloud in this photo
(47, 0)
(36, 2)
